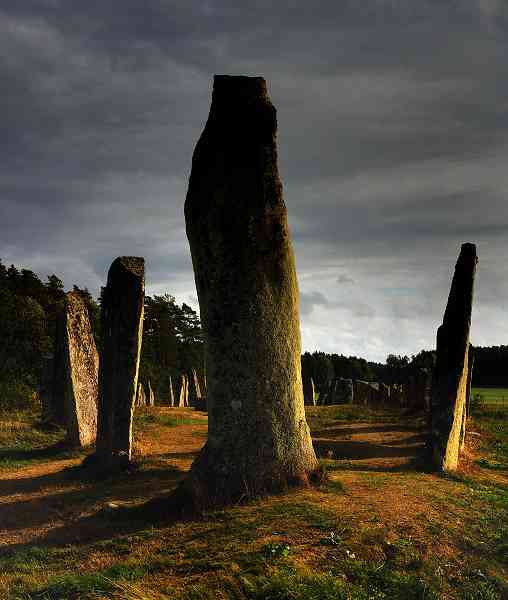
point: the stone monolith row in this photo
(77, 365)
(245, 276)
(122, 327)
(451, 370)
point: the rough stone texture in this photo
(467, 406)
(452, 367)
(122, 327)
(151, 395)
(171, 392)
(258, 438)
(80, 372)
(309, 394)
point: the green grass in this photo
(327, 543)
(492, 420)
(491, 395)
(25, 440)
(142, 419)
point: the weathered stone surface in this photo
(122, 326)
(79, 370)
(309, 394)
(467, 405)
(151, 395)
(452, 367)
(246, 281)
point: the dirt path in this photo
(372, 446)
(47, 496)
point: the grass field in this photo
(491, 395)
(381, 527)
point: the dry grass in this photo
(381, 527)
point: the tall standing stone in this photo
(122, 327)
(183, 395)
(79, 370)
(309, 394)
(197, 388)
(141, 397)
(452, 367)
(258, 438)
(171, 392)
(151, 395)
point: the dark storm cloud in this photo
(392, 142)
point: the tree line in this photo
(29, 307)
(172, 343)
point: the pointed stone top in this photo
(468, 250)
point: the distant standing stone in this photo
(151, 395)
(451, 371)
(122, 326)
(171, 392)
(183, 396)
(81, 372)
(141, 397)
(309, 394)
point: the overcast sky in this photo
(393, 146)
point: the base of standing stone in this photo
(209, 485)
(99, 467)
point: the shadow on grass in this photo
(339, 449)
(22, 457)
(79, 497)
(366, 429)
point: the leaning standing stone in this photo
(452, 369)
(245, 276)
(81, 365)
(122, 326)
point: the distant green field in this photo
(491, 395)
